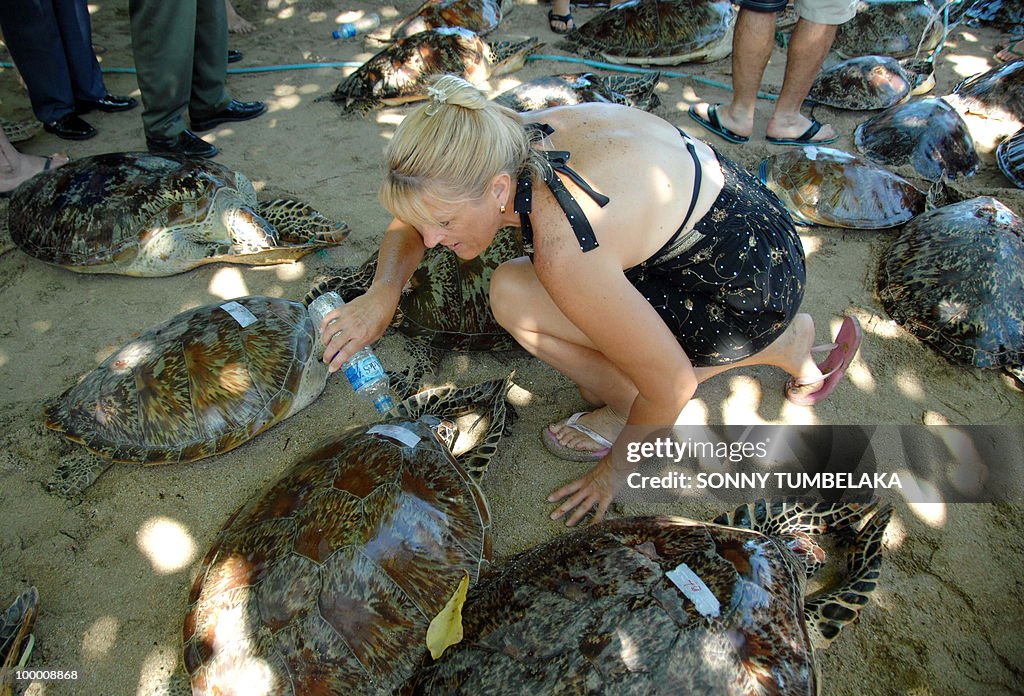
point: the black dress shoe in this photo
(70, 127)
(234, 111)
(234, 56)
(109, 104)
(186, 143)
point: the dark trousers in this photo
(181, 55)
(51, 44)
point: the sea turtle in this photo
(897, 28)
(478, 16)
(927, 134)
(1010, 157)
(576, 88)
(657, 32)
(400, 73)
(446, 305)
(139, 214)
(665, 605)
(324, 582)
(197, 385)
(992, 102)
(953, 279)
(868, 82)
(824, 186)
(17, 131)
(15, 630)
(1008, 14)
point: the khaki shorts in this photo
(817, 11)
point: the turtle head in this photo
(445, 430)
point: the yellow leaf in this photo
(446, 628)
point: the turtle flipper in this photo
(508, 56)
(452, 402)
(634, 90)
(348, 282)
(828, 611)
(176, 683)
(15, 626)
(299, 223)
(76, 472)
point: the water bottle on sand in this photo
(365, 24)
(363, 370)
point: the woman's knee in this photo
(507, 295)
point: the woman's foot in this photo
(584, 437)
(814, 381)
(1013, 51)
(25, 167)
(560, 17)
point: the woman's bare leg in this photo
(523, 307)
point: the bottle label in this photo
(363, 372)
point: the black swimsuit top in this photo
(557, 161)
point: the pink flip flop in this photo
(571, 453)
(832, 367)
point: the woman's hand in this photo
(594, 491)
(354, 325)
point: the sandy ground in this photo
(950, 607)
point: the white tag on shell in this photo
(396, 432)
(240, 313)
(695, 590)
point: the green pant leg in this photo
(209, 70)
(163, 40)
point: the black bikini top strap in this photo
(558, 162)
(697, 172)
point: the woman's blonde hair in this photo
(450, 149)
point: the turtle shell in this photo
(200, 384)
(824, 186)
(148, 215)
(478, 16)
(596, 611)
(401, 72)
(862, 83)
(325, 581)
(889, 28)
(996, 96)
(1001, 13)
(577, 88)
(1010, 157)
(927, 134)
(953, 279)
(658, 32)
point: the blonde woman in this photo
(657, 263)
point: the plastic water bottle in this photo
(363, 370)
(360, 26)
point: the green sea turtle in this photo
(992, 102)
(1008, 14)
(15, 635)
(897, 28)
(147, 215)
(657, 32)
(325, 582)
(446, 305)
(927, 134)
(576, 88)
(825, 186)
(666, 605)
(17, 131)
(199, 384)
(478, 16)
(953, 279)
(868, 82)
(401, 72)
(1010, 158)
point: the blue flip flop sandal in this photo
(805, 138)
(715, 126)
